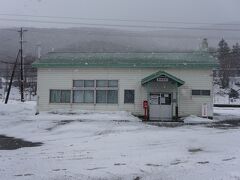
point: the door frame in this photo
(161, 92)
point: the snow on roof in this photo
(126, 60)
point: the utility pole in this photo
(21, 63)
(13, 72)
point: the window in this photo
(102, 83)
(95, 91)
(78, 96)
(112, 96)
(88, 83)
(107, 96)
(201, 92)
(107, 83)
(113, 83)
(78, 83)
(83, 96)
(106, 91)
(101, 96)
(60, 96)
(129, 96)
(83, 83)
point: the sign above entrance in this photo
(161, 79)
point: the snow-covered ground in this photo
(115, 145)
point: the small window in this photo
(107, 83)
(60, 96)
(196, 92)
(89, 96)
(102, 83)
(88, 83)
(206, 92)
(201, 92)
(129, 96)
(113, 83)
(78, 96)
(78, 83)
(83, 83)
(112, 96)
(101, 96)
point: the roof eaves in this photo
(160, 73)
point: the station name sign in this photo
(161, 79)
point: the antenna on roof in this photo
(204, 45)
(39, 49)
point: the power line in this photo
(120, 20)
(121, 25)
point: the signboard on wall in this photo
(161, 79)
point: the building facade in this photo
(173, 84)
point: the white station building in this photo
(173, 84)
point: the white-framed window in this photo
(60, 96)
(199, 92)
(107, 96)
(95, 91)
(83, 83)
(107, 91)
(83, 96)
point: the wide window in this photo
(60, 96)
(201, 92)
(83, 83)
(83, 96)
(129, 96)
(107, 83)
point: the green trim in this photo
(162, 73)
(126, 60)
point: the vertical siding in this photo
(128, 79)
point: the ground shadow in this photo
(11, 143)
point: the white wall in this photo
(129, 78)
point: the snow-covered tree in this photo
(224, 57)
(236, 55)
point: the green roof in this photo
(160, 74)
(126, 60)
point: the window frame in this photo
(60, 96)
(84, 98)
(107, 89)
(202, 92)
(95, 88)
(133, 96)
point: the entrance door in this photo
(160, 106)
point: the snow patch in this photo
(196, 120)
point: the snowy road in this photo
(114, 146)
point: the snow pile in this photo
(17, 107)
(229, 113)
(196, 120)
(97, 115)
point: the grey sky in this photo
(212, 11)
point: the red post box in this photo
(145, 106)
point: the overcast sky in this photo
(210, 11)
